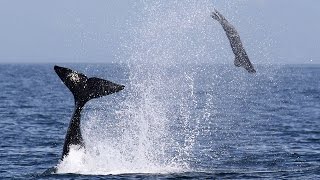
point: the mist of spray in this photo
(155, 127)
(159, 112)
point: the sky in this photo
(78, 31)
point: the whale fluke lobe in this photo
(83, 89)
(241, 57)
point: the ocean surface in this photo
(181, 121)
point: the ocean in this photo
(192, 121)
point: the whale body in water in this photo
(241, 57)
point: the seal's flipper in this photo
(249, 67)
(218, 16)
(239, 62)
(215, 16)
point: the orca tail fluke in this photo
(84, 88)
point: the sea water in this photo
(264, 126)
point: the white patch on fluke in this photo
(74, 77)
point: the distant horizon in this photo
(34, 31)
(201, 63)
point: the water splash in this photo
(155, 128)
(161, 106)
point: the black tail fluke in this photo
(84, 88)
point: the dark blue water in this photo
(247, 126)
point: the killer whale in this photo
(83, 90)
(241, 57)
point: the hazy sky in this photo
(89, 31)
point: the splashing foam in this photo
(154, 129)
